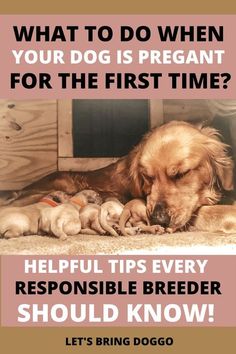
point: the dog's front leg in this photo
(215, 218)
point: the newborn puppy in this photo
(22, 221)
(135, 212)
(216, 218)
(110, 214)
(100, 220)
(89, 217)
(85, 197)
(64, 220)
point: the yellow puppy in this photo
(135, 212)
(64, 220)
(22, 221)
(110, 214)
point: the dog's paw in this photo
(117, 229)
(132, 231)
(11, 234)
(170, 230)
(63, 238)
(155, 229)
(159, 230)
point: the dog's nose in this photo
(160, 215)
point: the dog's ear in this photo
(200, 124)
(134, 172)
(218, 154)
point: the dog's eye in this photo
(147, 177)
(56, 199)
(180, 175)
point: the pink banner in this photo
(118, 291)
(122, 56)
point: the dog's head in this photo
(178, 168)
(59, 196)
(89, 196)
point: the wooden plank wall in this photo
(28, 141)
(65, 139)
(189, 110)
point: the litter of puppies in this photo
(61, 215)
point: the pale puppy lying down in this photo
(89, 217)
(64, 220)
(110, 214)
(23, 221)
(101, 219)
(135, 215)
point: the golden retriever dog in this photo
(135, 213)
(176, 168)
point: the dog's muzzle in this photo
(160, 215)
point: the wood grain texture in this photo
(156, 113)
(189, 110)
(84, 164)
(28, 141)
(65, 139)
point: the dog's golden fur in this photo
(177, 168)
(216, 218)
